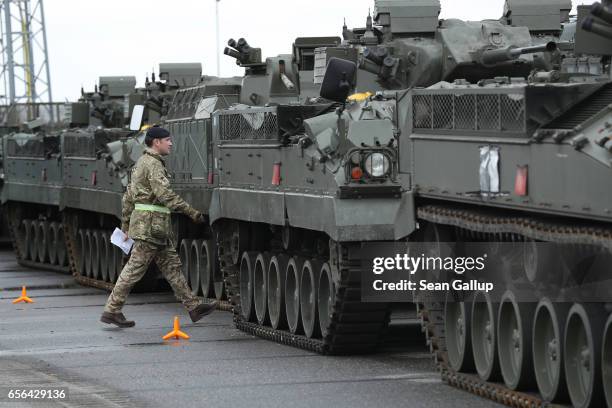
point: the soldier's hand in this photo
(199, 218)
(125, 237)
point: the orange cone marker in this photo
(176, 332)
(24, 297)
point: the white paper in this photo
(485, 183)
(494, 170)
(489, 170)
(117, 239)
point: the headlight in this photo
(377, 165)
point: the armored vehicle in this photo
(35, 191)
(290, 215)
(522, 168)
(96, 168)
(298, 184)
(28, 122)
(317, 171)
(79, 175)
(507, 153)
(95, 163)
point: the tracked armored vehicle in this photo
(523, 169)
(296, 190)
(549, 203)
(36, 190)
(78, 176)
(327, 180)
(508, 161)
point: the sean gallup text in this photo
(424, 285)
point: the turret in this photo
(413, 48)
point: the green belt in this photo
(153, 208)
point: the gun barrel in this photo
(548, 47)
(376, 55)
(287, 82)
(592, 26)
(369, 66)
(232, 53)
(491, 57)
(243, 45)
(386, 70)
(601, 11)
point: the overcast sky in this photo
(88, 39)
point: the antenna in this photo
(217, 37)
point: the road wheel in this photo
(276, 291)
(52, 243)
(247, 265)
(81, 252)
(483, 333)
(88, 253)
(548, 326)
(194, 266)
(62, 255)
(184, 252)
(292, 294)
(457, 326)
(34, 240)
(207, 264)
(514, 338)
(42, 241)
(326, 298)
(95, 254)
(25, 239)
(105, 250)
(606, 361)
(309, 283)
(260, 287)
(582, 355)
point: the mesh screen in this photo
(258, 125)
(30, 148)
(469, 111)
(79, 146)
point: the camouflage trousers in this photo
(168, 262)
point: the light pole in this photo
(217, 36)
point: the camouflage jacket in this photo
(149, 185)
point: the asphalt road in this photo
(58, 342)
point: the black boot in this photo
(203, 310)
(118, 319)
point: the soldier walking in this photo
(147, 205)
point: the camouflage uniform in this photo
(146, 218)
